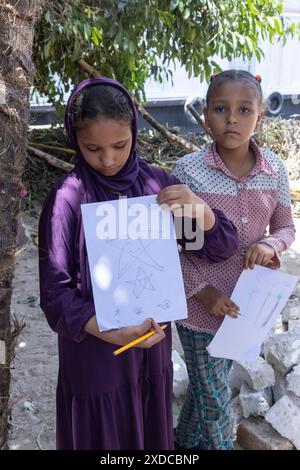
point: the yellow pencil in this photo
(136, 341)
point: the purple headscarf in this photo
(136, 177)
(132, 174)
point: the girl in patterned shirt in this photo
(250, 185)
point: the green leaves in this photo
(186, 14)
(47, 48)
(96, 35)
(131, 40)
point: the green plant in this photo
(131, 40)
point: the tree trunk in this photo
(17, 18)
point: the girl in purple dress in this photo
(106, 402)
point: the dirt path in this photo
(35, 366)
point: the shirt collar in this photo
(213, 159)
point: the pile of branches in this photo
(152, 146)
(40, 174)
(161, 146)
(280, 135)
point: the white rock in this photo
(283, 351)
(293, 381)
(180, 375)
(284, 416)
(294, 398)
(257, 434)
(293, 324)
(279, 389)
(296, 291)
(255, 403)
(236, 414)
(285, 312)
(257, 374)
(291, 311)
(234, 379)
(278, 327)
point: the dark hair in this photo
(101, 101)
(235, 76)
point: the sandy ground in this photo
(35, 366)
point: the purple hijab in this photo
(134, 173)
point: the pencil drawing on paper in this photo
(165, 304)
(132, 252)
(141, 282)
(279, 298)
(139, 311)
(118, 315)
(261, 294)
(253, 293)
(265, 303)
(134, 263)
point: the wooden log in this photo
(52, 147)
(54, 161)
(58, 163)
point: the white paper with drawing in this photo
(134, 262)
(261, 294)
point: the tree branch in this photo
(57, 162)
(52, 147)
(198, 118)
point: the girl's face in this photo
(105, 144)
(233, 114)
